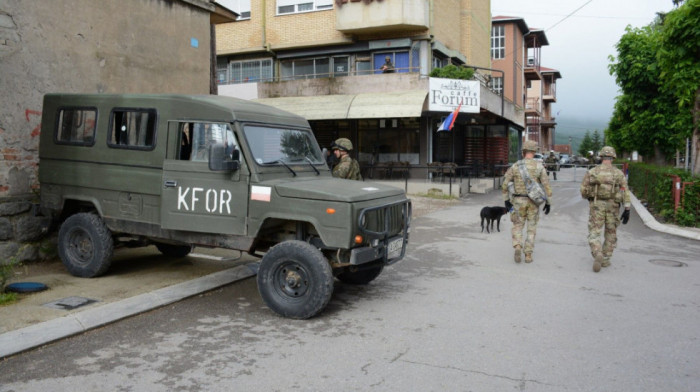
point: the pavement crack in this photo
(520, 381)
(399, 355)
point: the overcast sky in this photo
(579, 46)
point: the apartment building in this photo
(322, 59)
(516, 49)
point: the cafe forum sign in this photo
(446, 94)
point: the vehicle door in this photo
(194, 197)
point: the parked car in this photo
(539, 157)
(579, 160)
(564, 159)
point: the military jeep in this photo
(179, 171)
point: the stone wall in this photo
(84, 46)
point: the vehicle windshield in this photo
(270, 145)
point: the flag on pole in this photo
(450, 120)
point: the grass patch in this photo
(435, 193)
(7, 298)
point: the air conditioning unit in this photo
(531, 61)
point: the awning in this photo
(409, 103)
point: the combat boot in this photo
(516, 256)
(528, 257)
(597, 262)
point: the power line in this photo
(567, 16)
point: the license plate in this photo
(394, 248)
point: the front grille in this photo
(385, 221)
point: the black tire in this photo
(85, 245)
(177, 251)
(362, 276)
(295, 280)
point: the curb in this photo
(14, 342)
(653, 224)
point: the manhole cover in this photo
(70, 303)
(668, 263)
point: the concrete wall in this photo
(106, 46)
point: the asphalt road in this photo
(456, 315)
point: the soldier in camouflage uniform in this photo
(552, 164)
(605, 187)
(347, 167)
(525, 210)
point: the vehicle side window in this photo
(76, 126)
(197, 138)
(132, 128)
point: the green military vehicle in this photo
(179, 171)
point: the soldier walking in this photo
(347, 167)
(516, 199)
(552, 164)
(605, 187)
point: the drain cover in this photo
(70, 303)
(668, 263)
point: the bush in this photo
(654, 184)
(453, 72)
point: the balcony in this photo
(532, 106)
(550, 93)
(369, 17)
(548, 122)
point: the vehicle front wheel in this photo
(295, 280)
(362, 276)
(85, 245)
(176, 251)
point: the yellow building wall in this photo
(278, 31)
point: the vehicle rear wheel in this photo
(85, 245)
(362, 276)
(176, 251)
(295, 280)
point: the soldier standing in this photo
(551, 162)
(523, 209)
(347, 167)
(605, 187)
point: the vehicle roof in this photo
(182, 106)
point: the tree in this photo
(646, 117)
(586, 145)
(596, 142)
(679, 63)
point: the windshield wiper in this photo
(318, 173)
(284, 164)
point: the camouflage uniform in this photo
(551, 162)
(524, 209)
(605, 187)
(347, 168)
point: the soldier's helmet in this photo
(608, 151)
(342, 144)
(530, 145)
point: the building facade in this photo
(516, 49)
(83, 46)
(323, 59)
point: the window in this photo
(241, 7)
(498, 42)
(388, 140)
(132, 128)
(198, 137)
(250, 71)
(278, 146)
(313, 68)
(296, 6)
(497, 85)
(76, 126)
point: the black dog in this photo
(492, 214)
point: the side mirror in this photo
(219, 161)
